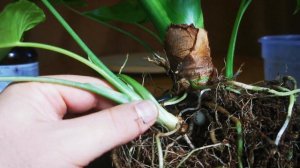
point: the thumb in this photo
(88, 137)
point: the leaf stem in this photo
(68, 28)
(97, 89)
(55, 49)
(77, 57)
(108, 75)
(164, 117)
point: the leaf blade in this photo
(124, 11)
(74, 3)
(17, 18)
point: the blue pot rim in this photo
(281, 39)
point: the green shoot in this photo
(185, 12)
(163, 13)
(231, 49)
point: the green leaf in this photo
(128, 11)
(17, 18)
(74, 3)
(124, 11)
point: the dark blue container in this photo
(281, 54)
(20, 61)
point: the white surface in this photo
(136, 63)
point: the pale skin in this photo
(35, 133)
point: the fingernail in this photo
(147, 110)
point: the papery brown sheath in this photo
(188, 52)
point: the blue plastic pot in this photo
(281, 54)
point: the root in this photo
(198, 104)
(171, 145)
(188, 141)
(198, 149)
(288, 118)
(124, 64)
(242, 126)
(238, 130)
(159, 147)
(285, 92)
(263, 89)
(115, 159)
(212, 135)
(160, 61)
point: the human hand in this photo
(33, 132)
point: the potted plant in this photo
(209, 120)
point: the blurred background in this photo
(264, 17)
